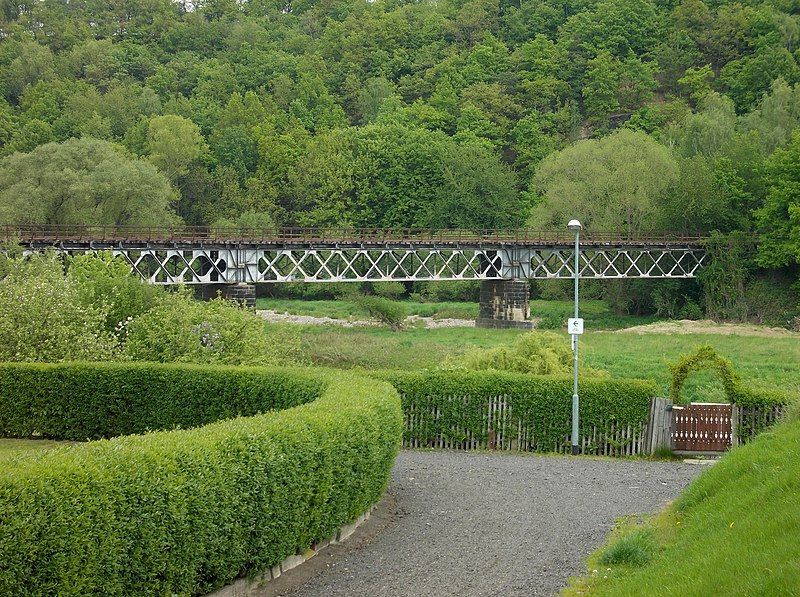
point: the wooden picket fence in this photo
(501, 429)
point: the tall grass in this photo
(734, 531)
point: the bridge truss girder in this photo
(253, 264)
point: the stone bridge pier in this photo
(242, 293)
(504, 304)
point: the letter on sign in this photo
(575, 325)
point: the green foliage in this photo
(187, 511)
(384, 310)
(449, 404)
(726, 276)
(173, 143)
(106, 281)
(779, 218)
(704, 357)
(535, 353)
(248, 223)
(79, 401)
(458, 290)
(615, 183)
(389, 290)
(743, 395)
(43, 316)
(82, 181)
(401, 114)
(218, 331)
(633, 549)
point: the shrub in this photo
(42, 316)
(219, 331)
(705, 357)
(552, 321)
(536, 353)
(186, 511)
(389, 290)
(454, 405)
(633, 549)
(103, 279)
(455, 290)
(79, 401)
(384, 310)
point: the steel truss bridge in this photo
(208, 256)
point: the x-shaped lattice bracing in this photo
(190, 265)
(336, 265)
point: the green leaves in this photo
(83, 181)
(187, 511)
(449, 403)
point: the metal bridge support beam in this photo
(242, 293)
(504, 304)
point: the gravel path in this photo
(485, 524)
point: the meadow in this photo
(762, 361)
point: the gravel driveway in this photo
(485, 524)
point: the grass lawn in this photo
(598, 311)
(769, 362)
(17, 447)
(732, 532)
(346, 309)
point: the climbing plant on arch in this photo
(705, 357)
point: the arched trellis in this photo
(705, 357)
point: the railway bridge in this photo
(233, 262)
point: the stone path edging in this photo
(245, 587)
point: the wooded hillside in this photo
(433, 114)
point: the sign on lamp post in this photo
(575, 328)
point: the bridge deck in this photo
(355, 237)
(210, 256)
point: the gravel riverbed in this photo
(487, 524)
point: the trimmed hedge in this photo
(186, 511)
(451, 404)
(80, 401)
(706, 357)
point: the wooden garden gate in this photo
(701, 427)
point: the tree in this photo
(32, 63)
(600, 89)
(779, 217)
(776, 116)
(750, 77)
(696, 82)
(83, 181)
(617, 183)
(174, 142)
(398, 176)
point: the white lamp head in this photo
(574, 225)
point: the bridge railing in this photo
(204, 234)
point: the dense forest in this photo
(634, 115)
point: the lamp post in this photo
(575, 328)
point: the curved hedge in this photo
(80, 401)
(186, 511)
(456, 404)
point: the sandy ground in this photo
(683, 326)
(412, 321)
(706, 326)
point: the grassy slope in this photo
(734, 531)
